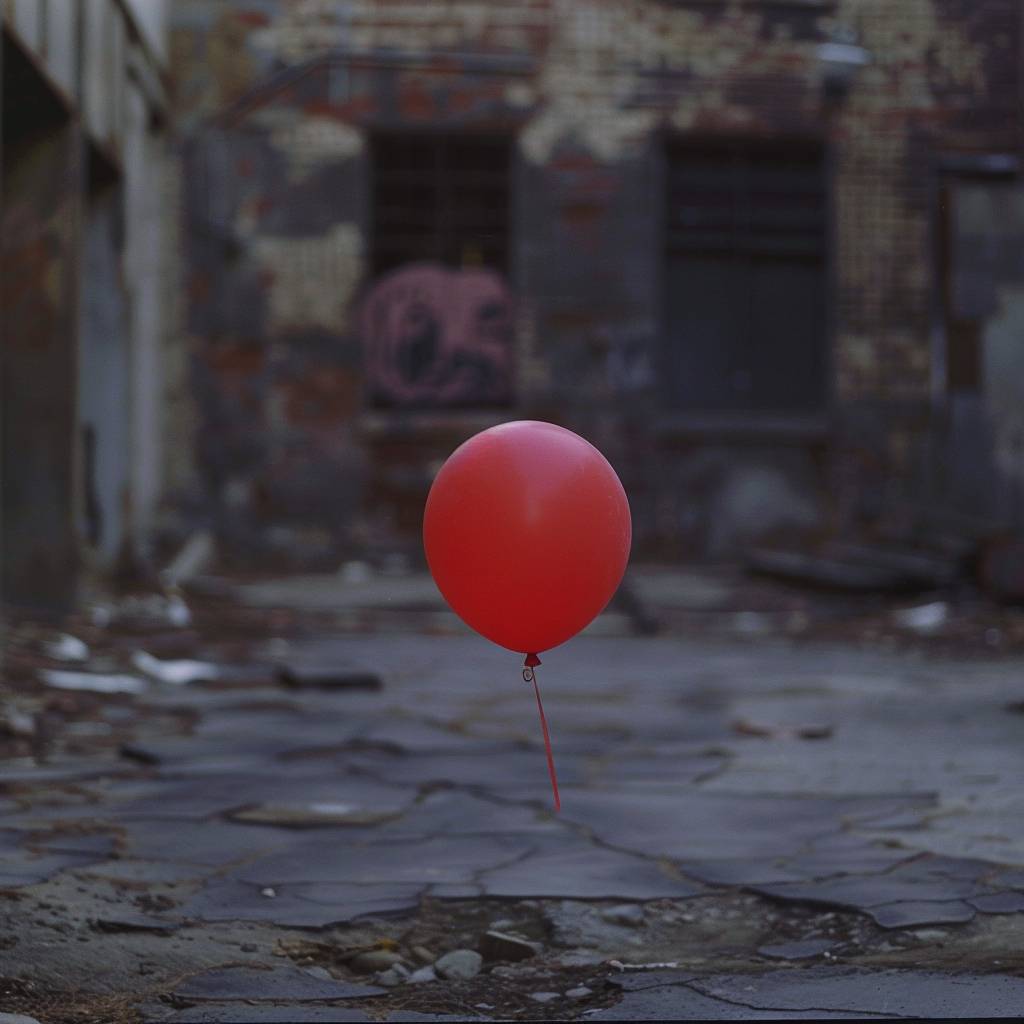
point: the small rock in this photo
(374, 960)
(320, 972)
(268, 892)
(925, 618)
(460, 963)
(65, 647)
(16, 1018)
(394, 975)
(627, 914)
(423, 975)
(422, 955)
(580, 992)
(501, 946)
(17, 723)
(249, 947)
(543, 997)
(930, 934)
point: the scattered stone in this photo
(627, 914)
(930, 934)
(502, 946)
(394, 975)
(65, 647)
(422, 955)
(925, 618)
(268, 892)
(175, 673)
(319, 972)
(249, 947)
(19, 724)
(505, 971)
(544, 997)
(580, 992)
(459, 964)
(93, 682)
(374, 960)
(423, 976)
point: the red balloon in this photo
(527, 534)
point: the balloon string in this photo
(531, 677)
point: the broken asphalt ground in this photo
(791, 827)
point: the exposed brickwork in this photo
(277, 101)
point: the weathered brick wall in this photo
(275, 101)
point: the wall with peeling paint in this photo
(278, 103)
(82, 123)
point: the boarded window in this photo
(746, 282)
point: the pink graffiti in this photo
(436, 336)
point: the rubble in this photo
(65, 647)
(94, 682)
(385, 825)
(460, 963)
(495, 945)
(925, 618)
(175, 673)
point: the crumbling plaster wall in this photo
(275, 100)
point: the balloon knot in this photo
(532, 661)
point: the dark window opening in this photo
(441, 198)
(746, 277)
(436, 322)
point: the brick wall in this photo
(278, 104)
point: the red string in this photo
(532, 660)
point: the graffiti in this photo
(438, 337)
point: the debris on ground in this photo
(924, 618)
(95, 682)
(819, 731)
(176, 673)
(65, 647)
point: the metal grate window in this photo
(746, 277)
(441, 198)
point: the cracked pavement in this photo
(233, 850)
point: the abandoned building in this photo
(84, 116)
(766, 254)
